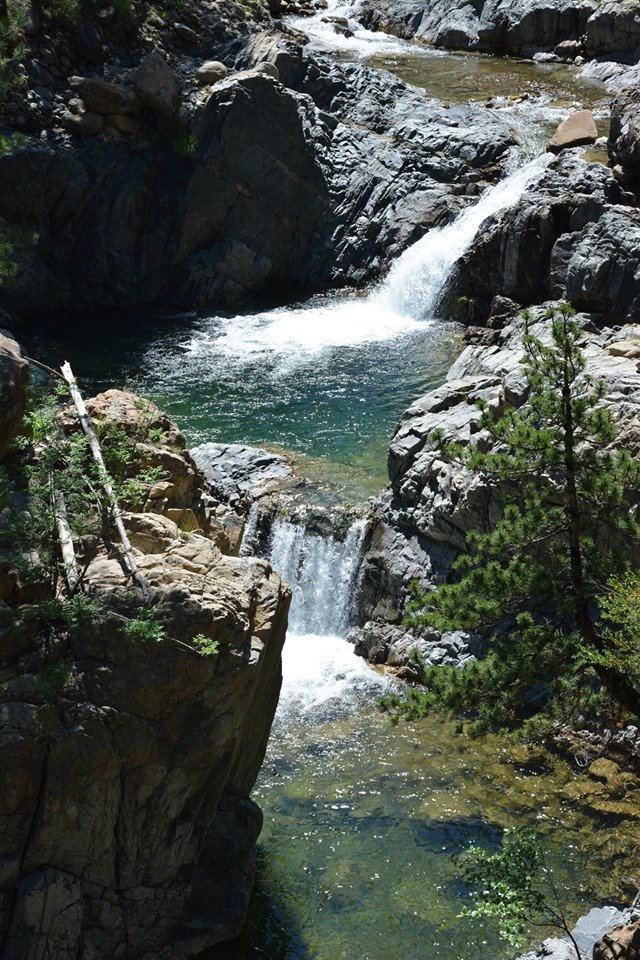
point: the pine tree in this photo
(534, 581)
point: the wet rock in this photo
(551, 244)
(211, 72)
(577, 130)
(104, 97)
(14, 377)
(157, 85)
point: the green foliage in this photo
(52, 681)
(206, 646)
(144, 628)
(534, 579)
(70, 612)
(515, 887)
(620, 611)
(185, 145)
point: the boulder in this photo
(622, 943)
(140, 766)
(241, 474)
(126, 125)
(157, 85)
(87, 123)
(210, 72)
(104, 97)
(269, 69)
(624, 133)
(577, 130)
(14, 378)
(613, 31)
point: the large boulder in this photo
(624, 133)
(157, 85)
(613, 31)
(577, 130)
(14, 378)
(101, 96)
(124, 783)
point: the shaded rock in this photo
(14, 378)
(624, 134)
(104, 97)
(613, 31)
(578, 129)
(211, 72)
(89, 43)
(185, 33)
(87, 123)
(127, 125)
(157, 85)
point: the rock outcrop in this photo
(262, 188)
(423, 519)
(126, 764)
(572, 236)
(566, 31)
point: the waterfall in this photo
(322, 573)
(416, 279)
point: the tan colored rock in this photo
(622, 943)
(105, 97)
(14, 377)
(625, 348)
(577, 130)
(157, 84)
(88, 123)
(210, 72)
(123, 124)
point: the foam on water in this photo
(364, 43)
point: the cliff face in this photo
(126, 764)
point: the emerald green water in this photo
(333, 403)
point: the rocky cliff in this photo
(549, 30)
(126, 759)
(166, 178)
(573, 236)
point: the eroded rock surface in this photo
(128, 829)
(270, 186)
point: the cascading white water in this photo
(322, 573)
(318, 666)
(416, 279)
(402, 304)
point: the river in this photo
(363, 819)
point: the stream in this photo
(363, 819)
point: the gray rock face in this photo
(624, 134)
(572, 236)
(518, 27)
(285, 190)
(423, 519)
(239, 474)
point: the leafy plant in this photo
(144, 628)
(205, 645)
(515, 887)
(533, 581)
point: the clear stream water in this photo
(362, 819)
